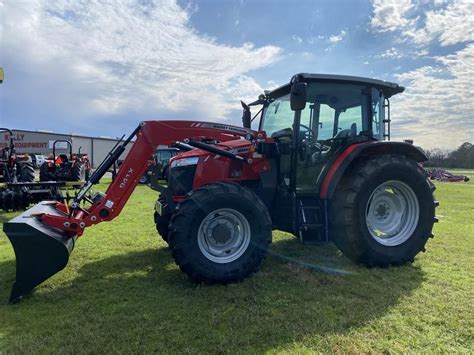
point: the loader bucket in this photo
(41, 251)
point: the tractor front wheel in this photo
(383, 211)
(220, 233)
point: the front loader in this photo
(319, 166)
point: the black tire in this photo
(78, 172)
(348, 211)
(25, 172)
(185, 223)
(45, 173)
(162, 221)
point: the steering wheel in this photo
(306, 146)
(309, 130)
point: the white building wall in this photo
(33, 142)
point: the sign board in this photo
(59, 145)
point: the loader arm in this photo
(148, 135)
(43, 237)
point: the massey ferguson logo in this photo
(222, 126)
(126, 178)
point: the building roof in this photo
(65, 134)
(388, 88)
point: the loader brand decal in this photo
(240, 150)
(126, 179)
(221, 126)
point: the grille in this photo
(180, 179)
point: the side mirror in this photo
(246, 115)
(298, 96)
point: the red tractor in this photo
(317, 166)
(61, 167)
(15, 167)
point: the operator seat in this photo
(320, 156)
(284, 139)
(346, 133)
(62, 159)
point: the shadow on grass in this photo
(140, 301)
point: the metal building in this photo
(41, 142)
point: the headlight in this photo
(184, 162)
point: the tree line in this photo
(462, 157)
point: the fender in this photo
(338, 167)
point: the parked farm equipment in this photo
(18, 190)
(159, 166)
(317, 167)
(14, 167)
(63, 167)
(19, 196)
(444, 175)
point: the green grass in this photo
(122, 292)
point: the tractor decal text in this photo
(126, 178)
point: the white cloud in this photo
(450, 25)
(297, 39)
(391, 53)
(95, 57)
(390, 15)
(337, 38)
(437, 108)
(448, 22)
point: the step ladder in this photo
(312, 223)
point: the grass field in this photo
(122, 292)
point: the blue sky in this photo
(99, 68)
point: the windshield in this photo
(163, 156)
(333, 110)
(277, 115)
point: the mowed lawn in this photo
(122, 292)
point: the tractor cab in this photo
(313, 120)
(338, 111)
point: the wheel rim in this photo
(224, 235)
(143, 179)
(392, 213)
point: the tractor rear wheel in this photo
(383, 211)
(26, 172)
(78, 172)
(220, 233)
(45, 173)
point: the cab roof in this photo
(389, 89)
